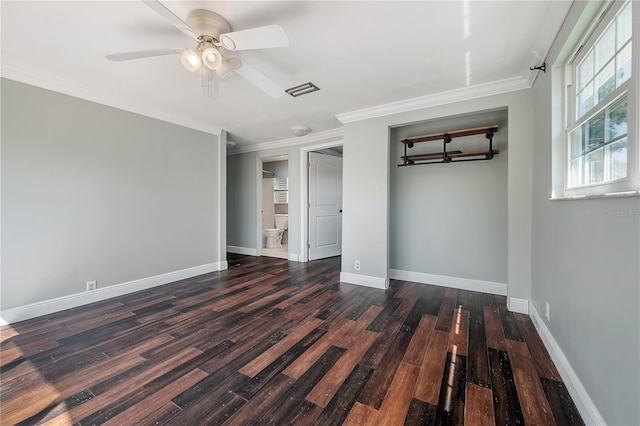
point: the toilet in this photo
(274, 235)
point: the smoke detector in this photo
(300, 130)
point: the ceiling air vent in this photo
(303, 89)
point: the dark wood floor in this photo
(275, 342)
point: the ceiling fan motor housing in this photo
(208, 23)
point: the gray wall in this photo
(90, 192)
(450, 219)
(242, 204)
(586, 256)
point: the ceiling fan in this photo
(214, 39)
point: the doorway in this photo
(274, 207)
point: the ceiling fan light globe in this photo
(235, 62)
(212, 58)
(191, 60)
(225, 70)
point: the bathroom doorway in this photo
(275, 207)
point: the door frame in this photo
(304, 193)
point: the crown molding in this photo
(441, 98)
(71, 89)
(325, 136)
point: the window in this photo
(601, 143)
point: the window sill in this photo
(598, 196)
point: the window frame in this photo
(630, 183)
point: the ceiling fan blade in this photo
(171, 17)
(255, 38)
(143, 54)
(260, 80)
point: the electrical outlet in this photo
(92, 285)
(546, 310)
(357, 265)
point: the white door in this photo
(325, 206)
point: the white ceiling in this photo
(361, 54)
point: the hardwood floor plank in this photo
(478, 408)
(384, 341)
(459, 332)
(39, 399)
(413, 319)
(361, 415)
(252, 386)
(266, 358)
(306, 360)
(418, 345)
(348, 339)
(445, 314)
(506, 405)
(204, 412)
(343, 400)
(540, 355)
(385, 371)
(430, 379)
(451, 401)
(300, 295)
(242, 353)
(304, 414)
(421, 413)
(284, 404)
(119, 392)
(478, 358)
(396, 403)
(434, 297)
(509, 324)
(564, 409)
(474, 306)
(533, 401)
(145, 408)
(383, 318)
(493, 329)
(334, 378)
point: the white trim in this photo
(221, 202)
(452, 282)
(585, 405)
(68, 88)
(365, 280)
(324, 136)
(242, 250)
(294, 257)
(442, 98)
(21, 313)
(520, 306)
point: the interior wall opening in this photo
(275, 206)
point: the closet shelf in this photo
(449, 156)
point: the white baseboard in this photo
(46, 307)
(453, 282)
(520, 306)
(585, 405)
(365, 280)
(294, 257)
(242, 250)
